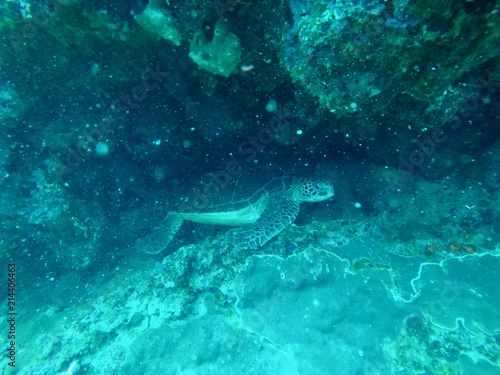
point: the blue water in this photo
(250, 188)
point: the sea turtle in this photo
(258, 218)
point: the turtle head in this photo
(311, 190)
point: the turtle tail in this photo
(161, 236)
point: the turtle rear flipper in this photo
(161, 236)
(273, 221)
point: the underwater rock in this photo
(206, 344)
(159, 22)
(356, 57)
(11, 105)
(221, 55)
(333, 320)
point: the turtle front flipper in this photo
(161, 236)
(273, 221)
